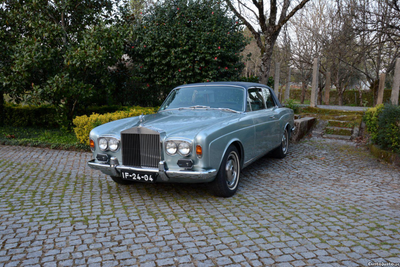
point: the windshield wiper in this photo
(199, 106)
(229, 110)
(206, 107)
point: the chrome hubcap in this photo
(285, 142)
(232, 170)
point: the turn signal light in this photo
(91, 144)
(199, 151)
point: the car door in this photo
(262, 121)
(273, 116)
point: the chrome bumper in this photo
(185, 176)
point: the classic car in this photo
(202, 133)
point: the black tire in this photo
(227, 181)
(119, 180)
(281, 151)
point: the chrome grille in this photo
(140, 147)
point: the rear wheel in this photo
(227, 181)
(119, 180)
(281, 151)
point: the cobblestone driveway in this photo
(327, 203)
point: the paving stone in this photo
(318, 206)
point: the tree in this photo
(269, 25)
(183, 41)
(59, 52)
(378, 25)
(324, 30)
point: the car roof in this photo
(245, 85)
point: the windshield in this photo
(223, 97)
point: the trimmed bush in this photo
(389, 128)
(371, 120)
(100, 109)
(383, 124)
(84, 124)
(45, 116)
(30, 116)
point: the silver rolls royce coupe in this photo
(202, 133)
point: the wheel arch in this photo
(240, 149)
(239, 146)
(289, 129)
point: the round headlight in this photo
(171, 148)
(184, 148)
(113, 144)
(103, 144)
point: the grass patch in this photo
(38, 137)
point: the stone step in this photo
(337, 136)
(339, 130)
(342, 124)
(348, 117)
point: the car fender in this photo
(218, 148)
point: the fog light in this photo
(185, 163)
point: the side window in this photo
(269, 101)
(255, 99)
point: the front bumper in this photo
(182, 176)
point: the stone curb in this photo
(385, 155)
(303, 126)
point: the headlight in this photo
(171, 148)
(184, 148)
(103, 144)
(113, 144)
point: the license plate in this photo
(138, 176)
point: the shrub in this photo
(383, 124)
(100, 109)
(290, 103)
(46, 116)
(84, 124)
(388, 136)
(371, 120)
(30, 116)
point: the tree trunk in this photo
(374, 89)
(266, 59)
(303, 91)
(360, 94)
(319, 101)
(340, 96)
(265, 67)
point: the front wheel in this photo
(227, 181)
(119, 180)
(281, 151)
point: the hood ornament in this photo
(141, 118)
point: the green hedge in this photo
(30, 116)
(383, 124)
(44, 116)
(350, 97)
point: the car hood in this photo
(176, 123)
(187, 123)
